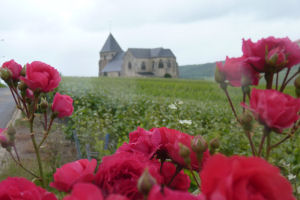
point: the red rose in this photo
(14, 67)
(116, 197)
(17, 188)
(236, 69)
(271, 54)
(119, 173)
(158, 193)
(274, 109)
(168, 142)
(180, 182)
(41, 76)
(239, 177)
(72, 173)
(63, 105)
(85, 191)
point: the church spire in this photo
(111, 45)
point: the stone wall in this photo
(105, 57)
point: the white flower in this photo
(179, 102)
(291, 176)
(172, 106)
(188, 122)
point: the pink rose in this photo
(158, 193)
(3, 136)
(236, 69)
(85, 191)
(41, 76)
(63, 105)
(180, 182)
(119, 173)
(14, 67)
(75, 172)
(261, 53)
(239, 177)
(18, 188)
(29, 94)
(274, 109)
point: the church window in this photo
(129, 65)
(169, 64)
(160, 64)
(143, 67)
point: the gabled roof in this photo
(111, 45)
(115, 65)
(151, 53)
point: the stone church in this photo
(136, 62)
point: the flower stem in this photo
(268, 149)
(265, 134)
(284, 80)
(192, 172)
(285, 84)
(231, 105)
(269, 78)
(251, 143)
(178, 169)
(277, 77)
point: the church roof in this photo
(151, 53)
(111, 45)
(115, 65)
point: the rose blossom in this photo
(79, 171)
(158, 193)
(236, 69)
(239, 177)
(116, 197)
(29, 94)
(274, 109)
(85, 191)
(14, 67)
(119, 173)
(3, 137)
(260, 54)
(41, 76)
(18, 188)
(63, 105)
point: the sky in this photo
(68, 34)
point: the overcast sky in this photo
(68, 34)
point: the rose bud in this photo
(62, 105)
(214, 144)
(145, 182)
(298, 92)
(23, 71)
(11, 132)
(5, 74)
(297, 82)
(29, 94)
(22, 86)
(14, 68)
(4, 141)
(199, 144)
(219, 76)
(246, 121)
(44, 105)
(185, 152)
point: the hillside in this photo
(199, 71)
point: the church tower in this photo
(109, 50)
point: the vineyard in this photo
(117, 106)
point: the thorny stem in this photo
(285, 77)
(251, 143)
(45, 118)
(231, 105)
(265, 133)
(21, 165)
(20, 99)
(244, 101)
(268, 150)
(18, 157)
(269, 78)
(14, 98)
(277, 77)
(178, 169)
(46, 133)
(285, 84)
(192, 172)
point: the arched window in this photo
(129, 65)
(160, 64)
(169, 64)
(143, 66)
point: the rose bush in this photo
(238, 177)
(41, 76)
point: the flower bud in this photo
(145, 182)
(22, 86)
(246, 121)
(11, 132)
(4, 141)
(297, 82)
(184, 151)
(298, 92)
(214, 144)
(199, 144)
(44, 104)
(246, 81)
(23, 71)
(5, 74)
(219, 76)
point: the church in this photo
(136, 62)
